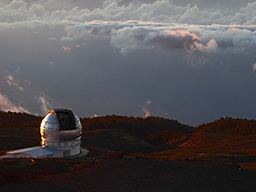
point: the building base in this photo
(46, 152)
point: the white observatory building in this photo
(60, 132)
(61, 129)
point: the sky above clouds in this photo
(192, 61)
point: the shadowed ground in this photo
(121, 174)
(119, 161)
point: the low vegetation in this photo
(227, 140)
(230, 126)
(154, 130)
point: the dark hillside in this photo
(19, 130)
(229, 125)
(227, 140)
(154, 130)
(117, 140)
(18, 120)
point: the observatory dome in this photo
(61, 129)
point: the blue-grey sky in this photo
(192, 61)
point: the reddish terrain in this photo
(120, 160)
(118, 171)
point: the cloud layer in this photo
(6, 105)
(10, 80)
(110, 10)
(132, 35)
(192, 61)
(140, 25)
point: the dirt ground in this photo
(119, 174)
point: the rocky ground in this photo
(118, 161)
(105, 170)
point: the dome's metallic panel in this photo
(78, 123)
(69, 135)
(61, 128)
(50, 118)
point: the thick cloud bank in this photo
(132, 35)
(141, 25)
(110, 10)
(193, 62)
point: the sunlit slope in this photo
(215, 142)
(235, 150)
